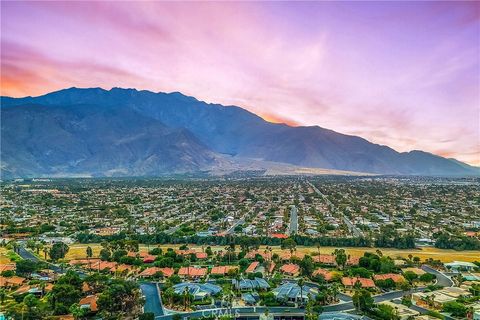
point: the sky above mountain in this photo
(401, 74)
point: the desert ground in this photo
(78, 251)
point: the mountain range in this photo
(126, 132)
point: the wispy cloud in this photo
(401, 74)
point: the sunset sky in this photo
(402, 74)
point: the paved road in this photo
(353, 229)
(237, 223)
(293, 228)
(442, 279)
(27, 255)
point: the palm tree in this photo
(334, 291)
(38, 247)
(89, 252)
(301, 283)
(3, 295)
(42, 287)
(45, 251)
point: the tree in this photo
(77, 312)
(62, 297)
(362, 300)
(31, 307)
(45, 252)
(340, 257)
(119, 298)
(58, 251)
(147, 316)
(427, 277)
(89, 252)
(105, 254)
(307, 266)
(26, 267)
(457, 309)
(3, 295)
(289, 243)
(386, 312)
(209, 251)
(301, 283)
(410, 276)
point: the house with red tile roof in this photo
(201, 255)
(14, 281)
(8, 267)
(252, 267)
(279, 235)
(77, 262)
(287, 255)
(350, 282)
(271, 267)
(149, 258)
(149, 272)
(222, 270)
(395, 277)
(325, 259)
(102, 265)
(192, 272)
(89, 302)
(327, 274)
(353, 261)
(252, 254)
(290, 269)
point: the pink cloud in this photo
(403, 75)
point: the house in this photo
(192, 272)
(252, 267)
(290, 269)
(89, 302)
(222, 270)
(199, 291)
(7, 267)
(325, 259)
(440, 297)
(279, 235)
(271, 267)
(201, 255)
(457, 266)
(253, 254)
(353, 261)
(327, 275)
(417, 271)
(11, 281)
(402, 311)
(149, 272)
(149, 258)
(287, 255)
(250, 299)
(349, 282)
(290, 291)
(102, 265)
(247, 284)
(397, 278)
